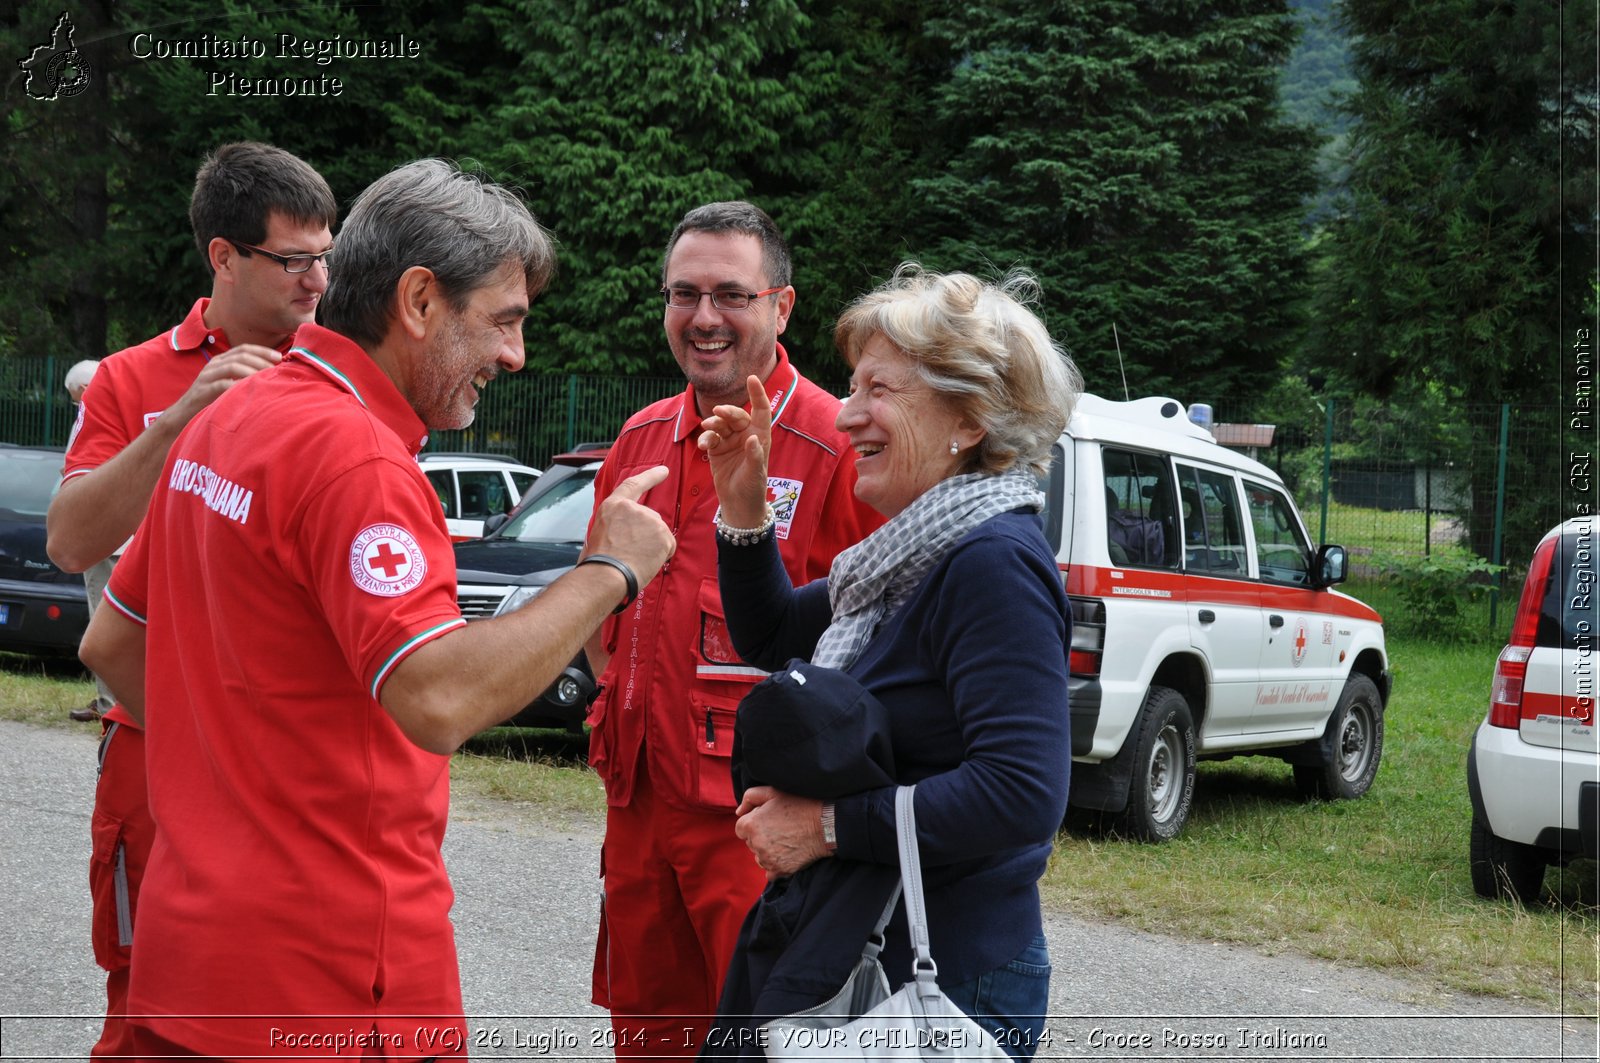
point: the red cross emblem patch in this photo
(385, 560)
(1300, 641)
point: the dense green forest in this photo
(1135, 155)
(1317, 74)
(1369, 197)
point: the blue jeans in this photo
(1010, 1001)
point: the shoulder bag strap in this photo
(923, 968)
(875, 940)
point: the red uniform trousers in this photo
(683, 881)
(123, 832)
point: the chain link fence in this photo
(1439, 508)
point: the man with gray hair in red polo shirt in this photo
(261, 219)
(288, 613)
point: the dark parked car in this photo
(43, 610)
(519, 558)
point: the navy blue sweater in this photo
(973, 671)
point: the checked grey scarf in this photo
(869, 580)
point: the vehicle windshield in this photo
(560, 514)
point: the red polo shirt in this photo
(293, 554)
(131, 389)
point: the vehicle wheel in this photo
(1502, 868)
(1163, 769)
(1351, 746)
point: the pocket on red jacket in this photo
(711, 768)
(714, 656)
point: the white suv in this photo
(1204, 625)
(474, 487)
(1533, 772)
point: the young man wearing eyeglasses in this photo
(677, 882)
(262, 221)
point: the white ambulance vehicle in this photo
(1205, 625)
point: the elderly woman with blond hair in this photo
(951, 616)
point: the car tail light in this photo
(1526, 625)
(1088, 636)
(1505, 697)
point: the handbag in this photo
(863, 1021)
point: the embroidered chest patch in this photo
(784, 495)
(385, 560)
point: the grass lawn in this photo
(37, 690)
(1380, 882)
(1385, 531)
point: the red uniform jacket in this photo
(674, 681)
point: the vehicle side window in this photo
(1282, 554)
(1213, 537)
(483, 494)
(1141, 525)
(522, 481)
(444, 487)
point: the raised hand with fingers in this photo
(738, 441)
(632, 533)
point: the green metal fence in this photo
(532, 417)
(525, 416)
(1385, 481)
(1400, 481)
(1426, 501)
(34, 408)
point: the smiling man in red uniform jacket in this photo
(261, 219)
(288, 612)
(677, 882)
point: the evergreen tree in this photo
(1458, 217)
(849, 208)
(1132, 154)
(617, 120)
(1462, 263)
(100, 253)
(54, 192)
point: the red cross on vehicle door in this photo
(1299, 659)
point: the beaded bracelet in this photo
(746, 536)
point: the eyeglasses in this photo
(722, 298)
(290, 263)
